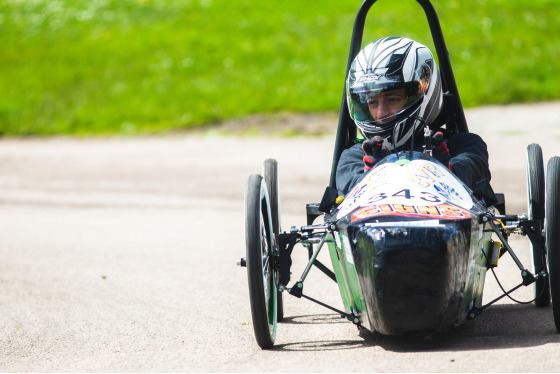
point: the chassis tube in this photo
(313, 258)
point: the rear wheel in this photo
(270, 173)
(536, 210)
(552, 228)
(260, 271)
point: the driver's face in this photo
(385, 104)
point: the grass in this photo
(138, 66)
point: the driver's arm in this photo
(350, 169)
(469, 158)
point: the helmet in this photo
(393, 90)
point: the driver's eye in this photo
(395, 99)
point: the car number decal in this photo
(418, 183)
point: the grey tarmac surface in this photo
(120, 255)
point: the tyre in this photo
(536, 210)
(260, 272)
(552, 228)
(270, 173)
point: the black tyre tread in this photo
(254, 209)
(553, 233)
(270, 173)
(536, 210)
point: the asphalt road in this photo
(119, 255)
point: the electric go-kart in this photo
(410, 245)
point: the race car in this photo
(410, 244)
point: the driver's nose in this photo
(382, 110)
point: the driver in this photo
(393, 92)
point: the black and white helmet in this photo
(383, 68)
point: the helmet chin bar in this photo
(414, 117)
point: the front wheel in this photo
(535, 206)
(552, 228)
(270, 174)
(260, 261)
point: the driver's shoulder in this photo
(467, 137)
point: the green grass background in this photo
(139, 66)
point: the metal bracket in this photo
(297, 289)
(533, 229)
(286, 243)
(528, 277)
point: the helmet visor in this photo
(380, 103)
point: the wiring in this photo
(502, 288)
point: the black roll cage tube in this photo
(346, 131)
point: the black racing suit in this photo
(469, 161)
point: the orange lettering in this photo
(365, 213)
(386, 208)
(404, 208)
(430, 210)
(451, 211)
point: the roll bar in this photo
(346, 132)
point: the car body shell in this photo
(410, 252)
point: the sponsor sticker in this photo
(410, 189)
(442, 211)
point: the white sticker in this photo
(424, 223)
(347, 249)
(337, 240)
(419, 182)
